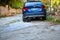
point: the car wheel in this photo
(28, 19)
(24, 19)
(43, 18)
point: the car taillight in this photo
(42, 6)
(25, 8)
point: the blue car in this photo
(34, 9)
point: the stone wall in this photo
(5, 11)
(57, 14)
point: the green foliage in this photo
(57, 21)
(16, 4)
(12, 3)
(49, 18)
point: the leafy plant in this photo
(16, 4)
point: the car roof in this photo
(33, 1)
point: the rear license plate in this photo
(37, 9)
(34, 9)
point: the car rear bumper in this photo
(35, 16)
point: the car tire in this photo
(24, 19)
(43, 18)
(28, 19)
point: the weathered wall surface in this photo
(5, 11)
(57, 14)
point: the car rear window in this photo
(33, 4)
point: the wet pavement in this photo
(13, 28)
